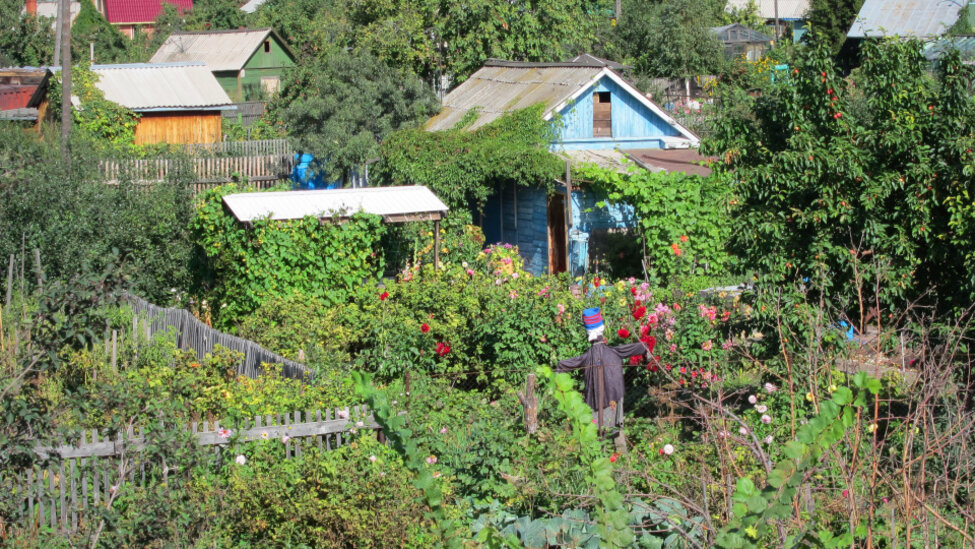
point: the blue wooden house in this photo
(600, 117)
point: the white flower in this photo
(264, 435)
(352, 430)
(769, 439)
(241, 460)
(668, 449)
(224, 433)
(723, 434)
(761, 408)
(752, 399)
(743, 430)
(769, 388)
(343, 414)
(285, 439)
(766, 419)
(360, 424)
(372, 458)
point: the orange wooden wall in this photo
(181, 127)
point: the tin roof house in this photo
(923, 19)
(130, 16)
(790, 14)
(177, 102)
(600, 118)
(248, 63)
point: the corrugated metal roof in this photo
(172, 86)
(393, 203)
(918, 18)
(252, 6)
(220, 50)
(495, 90)
(604, 158)
(788, 9)
(688, 161)
(140, 11)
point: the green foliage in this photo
(830, 20)
(400, 438)
(611, 515)
(246, 266)
(755, 510)
(341, 107)
(105, 124)
(91, 27)
(464, 167)
(684, 220)
(75, 218)
(25, 40)
(861, 180)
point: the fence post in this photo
(530, 404)
(40, 272)
(10, 280)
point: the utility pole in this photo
(619, 11)
(775, 5)
(65, 34)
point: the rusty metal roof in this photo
(394, 204)
(918, 18)
(788, 9)
(688, 161)
(144, 87)
(227, 50)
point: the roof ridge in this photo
(224, 31)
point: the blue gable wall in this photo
(634, 125)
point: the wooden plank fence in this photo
(191, 333)
(70, 492)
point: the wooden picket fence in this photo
(262, 163)
(81, 480)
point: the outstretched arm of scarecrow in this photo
(635, 349)
(570, 364)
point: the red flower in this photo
(683, 369)
(639, 312)
(725, 316)
(676, 248)
(442, 348)
(424, 327)
(683, 238)
(383, 296)
(613, 458)
(595, 282)
(634, 360)
(653, 367)
(623, 333)
(644, 330)
(649, 341)
(633, 290)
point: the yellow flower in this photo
(810, 397)
(832, 387)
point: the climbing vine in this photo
(463, 167)
(245, 266)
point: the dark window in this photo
(267, 46)
(602, 115)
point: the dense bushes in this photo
(858, 184)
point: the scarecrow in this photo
(604, 371)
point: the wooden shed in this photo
(177, 102)
(248, 63)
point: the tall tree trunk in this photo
(65, 32)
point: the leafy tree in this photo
(91, 27)
(861, 187)
(25, 40)
(831, 20)
(340, 108)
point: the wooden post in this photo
(10, 280)
(601, 396)
(530, 404)
(66, 118)
(40, 272)
(436, 245)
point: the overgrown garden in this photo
(824, 402)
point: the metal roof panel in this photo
(220, 50)
(145, 86)
(788, 9)
(392, 203)
(917, 18)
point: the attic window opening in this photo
(267, 46)
(602, 115)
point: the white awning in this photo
(394, 204)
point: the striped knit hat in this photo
(592, 319)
